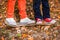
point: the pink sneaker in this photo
(38, 21)
(49, 21)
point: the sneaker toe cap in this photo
(53, 21)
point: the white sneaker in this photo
(10, 22)
(38, 21)
(49, 21)
(26, 21)
(52, 22)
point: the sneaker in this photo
(49, 21)
(10, 22)
(38, 21)
(26, 21)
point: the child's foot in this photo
(38, 21)
(10, 22)
(49, 21)
(26, 21)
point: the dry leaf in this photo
(30, 38)
(58, 16)
(2, 38)
(24, 35)
(13, 38)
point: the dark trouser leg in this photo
(46, 9)
(36, 8)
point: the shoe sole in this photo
(50, 23)
(30, 24)
(42, 24)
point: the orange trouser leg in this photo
(22, 8)
(10, 8)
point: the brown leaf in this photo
(2, 38)
(24, 35)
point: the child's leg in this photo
(22, 8)
(10, 8)
(22, 12)
(10, 13)
(46, 9)
(37, 12)
(46, 13)
(36, 8)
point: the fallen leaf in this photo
(30, 38)
(2, 38)
(24, 35)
